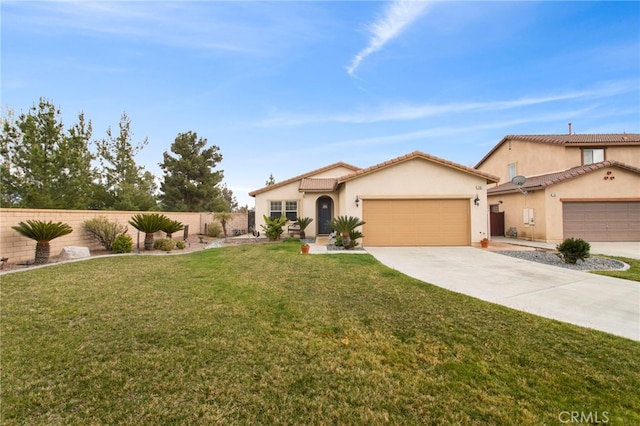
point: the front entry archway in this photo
(324, 214)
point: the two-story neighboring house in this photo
(576, 185)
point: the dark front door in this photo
(496, 220)
(324, 207)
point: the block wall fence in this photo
(19, 249)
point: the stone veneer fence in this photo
(19, 249)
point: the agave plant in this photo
(303, 222)
(42, 233)
(171, 227)
(345, 226)
(149, 223)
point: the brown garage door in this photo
(602, 221)
(416, 223)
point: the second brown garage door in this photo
(602, 221)
(416, 222)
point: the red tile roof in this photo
(600, 139)
(318, 184)
(535, 183)
(303, 176)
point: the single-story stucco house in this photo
(413, 200)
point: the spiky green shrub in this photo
(103, 230)
(171, 227)
(42, 232)
(303, 222)
(164, 244)
(273, 227)
(122, 244)
(573, 249)
(345, 225)
(149, 223)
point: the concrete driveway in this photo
(603, 303)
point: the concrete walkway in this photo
(603, 303)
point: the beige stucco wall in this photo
(419, 178)
(547, 203)
(531, 159)
(513, 206)
(18, 248)
(625, 154)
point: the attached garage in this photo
(416, 222)
(602, 221)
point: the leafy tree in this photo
(223, 217)
(190, 183)
(224, 201)
(78, 176)
(128, 186)
(9, 182)
(42, 233)
(42, 167)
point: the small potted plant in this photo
(304, 248)
(484, 242)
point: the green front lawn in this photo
(259, 334)
(633, 273)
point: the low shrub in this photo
(273, 226)
(122, 244)
(181, 245)
(573, 249)
(164, 244)
(214, 229)
(104, 230)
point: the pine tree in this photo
(41, 166)
(190, 182)
(127, 185)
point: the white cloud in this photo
(397, 16)
(406, 112)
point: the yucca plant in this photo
(149, 223)
(171, 227)
(303, 222)
(42, 233)
(345, 225)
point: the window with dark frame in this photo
(291, 210)
(275, 209)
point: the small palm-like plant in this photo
(303, 222)
(273, 226)
(149, 223)
(345, 225)
(42, 233)
(171, 227)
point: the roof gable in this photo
(305, 176)
(594, 139)
(535, 183)
(421, 155)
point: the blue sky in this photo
(286, 87)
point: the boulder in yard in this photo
(71, 252)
